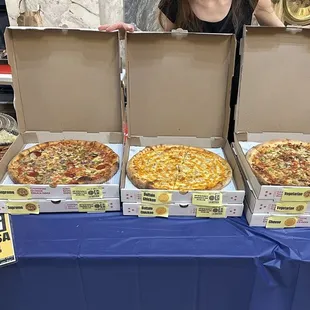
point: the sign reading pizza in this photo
(7, 253)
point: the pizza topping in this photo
(282, 163)
(64, 162)
(178, 168)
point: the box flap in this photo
(65, 79)
(273, 94)
(179, 84)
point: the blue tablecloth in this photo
(97, 262)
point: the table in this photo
(108, 261)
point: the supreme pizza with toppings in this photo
(281, 162)
(178, 167)
(64, 162)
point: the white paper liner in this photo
(117, 148)
(246, 146)
(136, 149)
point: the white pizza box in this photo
(67, 86)
(178, 93)
(261, 219)
(269, 206)
(271, 104)
(178, 209)
(59, 206)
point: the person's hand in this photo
(122, 27)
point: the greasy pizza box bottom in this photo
(110, 189)
(260, 219)
(58, 206)
(182, 209)
(130, 193)
(243, 143)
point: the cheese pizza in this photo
(64, 162)
(178, 167)
(281, 162)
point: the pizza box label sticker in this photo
(207, 199)
(211, 212)
(291, 207)
(7, 253)
(281, 222)
(296, 194)
(153, 211)
(93, 206)
(23, 207)
(15, 192)
(156, 197)
(86, 192)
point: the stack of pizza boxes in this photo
(67, 86)
(178, 93)
(273, 104)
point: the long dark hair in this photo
(186, 19)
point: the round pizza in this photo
(178, 167)
(64, 162)
(281, 162)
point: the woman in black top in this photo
(212, 16)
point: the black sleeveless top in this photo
(224, 26)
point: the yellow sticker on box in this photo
(7, 253)
(156, 197)
(86, 192)
(15, 192)
(153, 211)
(22, 207)
(291, 207)
(93, 206)
(296, 194)
(207, 199)
(281, 222)
(212, 212)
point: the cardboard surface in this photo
(65, 79)
(274, 81)
(183, 209)
(63, 206)
(179, 85)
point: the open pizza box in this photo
(67, 86)
(273, 102)
(178, 93)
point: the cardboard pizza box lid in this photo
(274, 83)
(65, 79)
(179, 83)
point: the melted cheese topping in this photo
(283, 164)
(180, 168)
(66, 163)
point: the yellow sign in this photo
(281, 222)
(291, 207)
(153, 211)
(212, 212)
(23, 207)
(86, 192)
(156, 197)
(15, 192)
(7, 253)
(93, 206)
(207, 199)
(296, 194)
